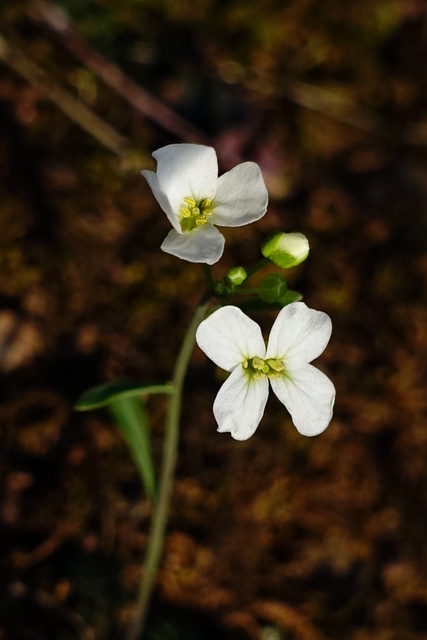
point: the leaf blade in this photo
(104, 394)
(134, 424)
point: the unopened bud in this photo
(272, 288)
(236, 276)
(286, 249)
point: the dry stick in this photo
(338, 108)
(142, 101)
(306, 96)
(75, 110)
(348, 112)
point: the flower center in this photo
(194, 214)
(259, 368)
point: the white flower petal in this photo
(204, 244)
(228, 337)
(162, 199)
(186, 170)
(240, 403)
(298, 335)
(309, 397)
(241, 196)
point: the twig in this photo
(140, 99)
(348, 112)
(75, 110)
(307, 96)
(325, 102)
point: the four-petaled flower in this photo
(187, 187)
(235, 343)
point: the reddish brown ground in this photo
(317, 539)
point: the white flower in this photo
(235, 343)
(188, 189)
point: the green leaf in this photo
(134, 424)
(105, 394)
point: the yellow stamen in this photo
(194, 214)
(185, 212)
(259, 375)
(257, 363)
(259, 368)
(276, 365)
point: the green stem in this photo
(208, 277)
(247, 291)
(259, 265)
(157, 531)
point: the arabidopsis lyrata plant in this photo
(235, 343)
(187, 187)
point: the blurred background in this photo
(280, 537)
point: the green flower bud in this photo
(236, 276)
(286, 249)
(220, 289)
(273, 288)
(290, 296)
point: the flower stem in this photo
(247, 291)
(259, 265)
(208, 277)
(157, 531)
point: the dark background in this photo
(281, 537)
